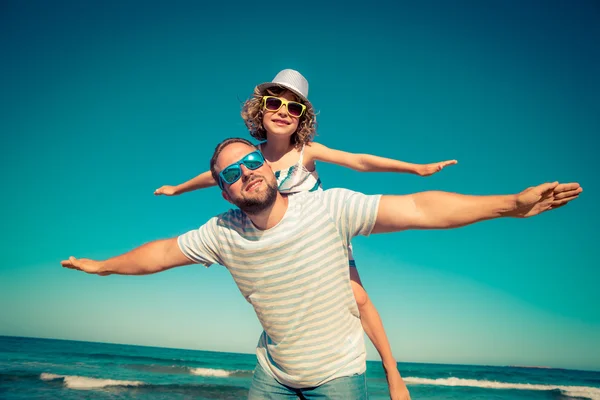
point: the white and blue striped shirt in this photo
(295, 275)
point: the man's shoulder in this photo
(334, 192)
(330, 198)
(340, 194)
(231, 218)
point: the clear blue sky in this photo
(102, 102)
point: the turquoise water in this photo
(47, 369)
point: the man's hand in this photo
(167, 190)
(548, 196)
(149, 258)
(398, 390)
(85, 265)
(430, 169)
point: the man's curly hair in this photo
(252, 114)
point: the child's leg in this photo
(373, 327)
(370, 319)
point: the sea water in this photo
(60, 369)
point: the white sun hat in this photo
(291, 80)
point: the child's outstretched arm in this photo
(201, 181)
(371, 163)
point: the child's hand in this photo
(167, 190)
(430, 169)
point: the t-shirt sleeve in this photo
(355, 213)
(202, 245)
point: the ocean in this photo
(60, 369)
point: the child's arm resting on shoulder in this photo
(202, 181)
(371, 163)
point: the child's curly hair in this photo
(252, 114)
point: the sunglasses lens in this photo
(272, 103)
(295, 109)
(253, 161)
(253, 164)
(231, 174)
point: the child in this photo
(280, 115)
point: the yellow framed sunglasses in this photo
(273, 104)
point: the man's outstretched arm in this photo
(149, 258)
(443, 210)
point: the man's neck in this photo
(271, 216)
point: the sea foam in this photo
(218, 373)
(84, 383)
(572, 391)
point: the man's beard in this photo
(253, 206)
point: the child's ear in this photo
(226, 196)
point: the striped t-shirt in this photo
(295, 275)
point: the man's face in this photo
(256, 190)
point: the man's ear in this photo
(226, 196)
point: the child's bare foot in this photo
(398, 389)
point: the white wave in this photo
(45, 376)
(84, 383)
(219, 373)
(572, 391)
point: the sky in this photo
(101, 102)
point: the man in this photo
(287, 255)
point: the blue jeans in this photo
(264, 387)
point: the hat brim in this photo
(267, 85)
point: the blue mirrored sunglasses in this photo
(233, 172)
